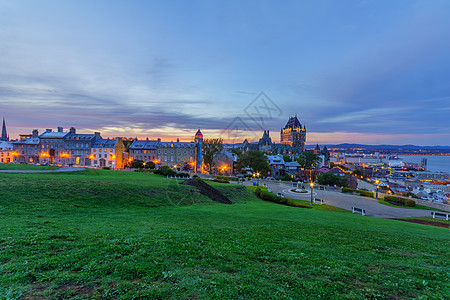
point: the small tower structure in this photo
(198, 151)
(4, 136)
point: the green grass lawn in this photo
(121, 235)
(25, 167)
(417, 206)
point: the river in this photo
(436, 163)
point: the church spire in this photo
(4, 136)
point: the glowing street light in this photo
(376, 195)
(257, 178)
(224, 167)
(311, 184)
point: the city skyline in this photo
(371, 72)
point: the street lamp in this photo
(223, 170)
(376, 194)
(257, 178)
(311, 184)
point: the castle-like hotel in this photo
(292, 140)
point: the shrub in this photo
(399, 201)
(166, 171)
(347, 190)
(273, 198)
(195, 176)
(360, 192)
(409, 194)
(106, 168)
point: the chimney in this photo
(35, 133)
(60, 129)
(48, 130)
(97, 135)
(159, 140)
(178, 140)
(72, 130)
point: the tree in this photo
(209, 148)
(308, 160)
(255, 160)
(149, 165)
(357, 172)
(136, 164)
(331, 179)
(287, 158)
(236, 151)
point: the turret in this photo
(198, 151)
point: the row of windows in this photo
(160, 151)
(100, 150)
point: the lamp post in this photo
(257, 178)
(311, 184)
(223, 170)
(376, 194)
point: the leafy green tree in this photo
(358, 173)
(287, 158)
(136, 164)
(329, 178)
(308, 160)
(236, 151)
(209, 148)
(149, 165)
(255, 160)
(286, 177)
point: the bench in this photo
(439, 215)
(318, 201)
(358, 210)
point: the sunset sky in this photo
(373, 72)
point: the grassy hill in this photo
(25, 167)
(106, 234)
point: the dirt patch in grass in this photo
(425, 222)
(207, 190)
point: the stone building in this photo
(6, 152)
(27, 150)
(174, 154)
(78, 147)
(107, 153)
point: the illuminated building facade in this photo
(107, 153)
(6, 152)
(293, 134)
(27, 150)
(64, 148)
(174, 154)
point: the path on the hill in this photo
(68, 169)
(347, 201)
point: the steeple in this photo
(4, 136)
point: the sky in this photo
(372, 72)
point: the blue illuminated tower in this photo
(198, 151)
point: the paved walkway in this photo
(346, 201)
(68, 169)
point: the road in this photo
(346, 201)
